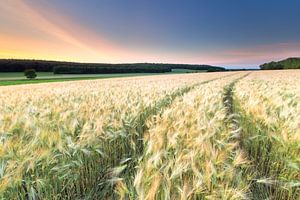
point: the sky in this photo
(231, 33)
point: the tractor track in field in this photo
(259, 171)
(140, 126)
(231, 117)
(234, 120)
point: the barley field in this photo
(227, 135)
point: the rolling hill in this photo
(290, 63)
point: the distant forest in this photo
(290, 63)
(13, 65)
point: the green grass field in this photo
(186, 71)
(17, 78)
(50, 75)
(20, 75)
(44, 77)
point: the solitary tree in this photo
(30, 73)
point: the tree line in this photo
(290, 63)
(13, 65)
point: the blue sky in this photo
(228, 33)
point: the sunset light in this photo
(94, 31)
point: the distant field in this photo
(17, 78)
(187, 71)
(44, 77)
(50, 75)
(20, 75)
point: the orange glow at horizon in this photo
(64, 39)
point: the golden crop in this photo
(61, 135)
(193, 136)
(189, 150)
(274, 98)
(270, 109)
